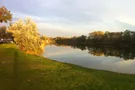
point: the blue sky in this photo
(75, 17)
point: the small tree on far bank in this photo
(26, 36)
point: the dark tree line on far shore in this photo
(103, 38)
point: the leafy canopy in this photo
(5, 15)
(26, 36)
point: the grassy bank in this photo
(19, 71)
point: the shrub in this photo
(26, 36)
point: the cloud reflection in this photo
(82, 58)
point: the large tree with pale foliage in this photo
(26, 36)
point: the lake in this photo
(97, 58)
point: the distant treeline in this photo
(98, 37)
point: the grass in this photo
(20, 71)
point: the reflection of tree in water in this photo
(121, 52)
(96, 51)
(82, 47)
(105, 50)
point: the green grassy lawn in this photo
(20, 71)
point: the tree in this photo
(81, 39)
(26, 36)
(5, 15)
(2, 31)
(96, 35)
(127, 36)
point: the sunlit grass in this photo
(20, 71)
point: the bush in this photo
(26, 36)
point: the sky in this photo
(75, 17)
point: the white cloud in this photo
(76, 16)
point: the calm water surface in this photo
(85, 59)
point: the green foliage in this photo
(5, 15)
(26, 36)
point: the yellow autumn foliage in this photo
(26, 36)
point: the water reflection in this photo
(126, 53)
(121, 52)
(104, 58)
